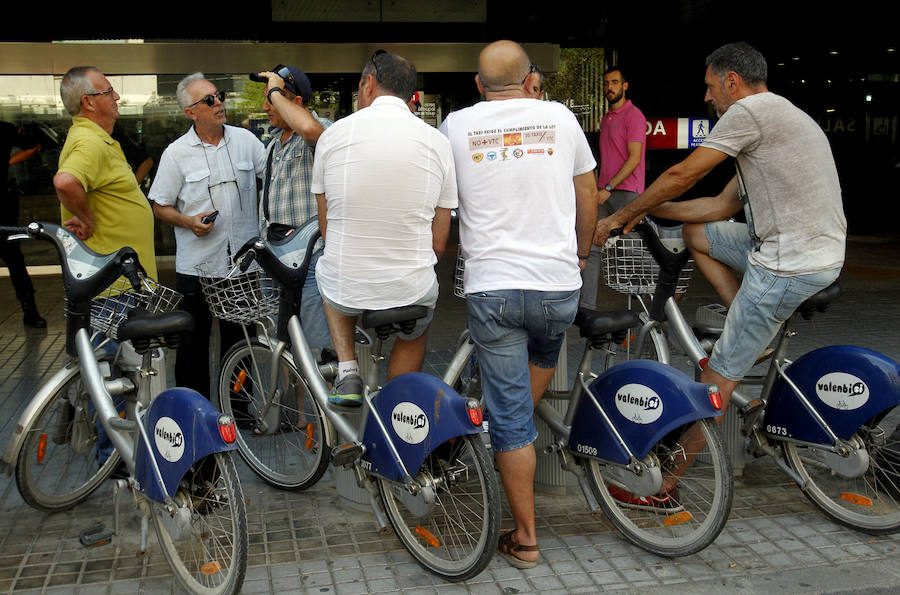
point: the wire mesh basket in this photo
(111, 308)
(628, 267)
(458, 289)
(243, 298)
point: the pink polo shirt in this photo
(618, 128)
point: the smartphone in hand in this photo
(206, 219)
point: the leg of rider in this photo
(718, 274)
(407, 356)
(342, 328)
(517, 474)
(540, 380)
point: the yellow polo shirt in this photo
(122, 214)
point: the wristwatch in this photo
(608, 188)
(274, 90)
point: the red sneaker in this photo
(663, 502)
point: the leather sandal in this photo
(507, 546)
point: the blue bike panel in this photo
(847, 385)
(421, 412)
(183, 427)
(645, 400)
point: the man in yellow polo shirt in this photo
(101, 201)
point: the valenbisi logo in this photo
(410, 422)
(840, 390)
(639, 403)
(169, 439)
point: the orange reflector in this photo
(628, 340)
(856, 499)
(239, 381)
(427, 536)
(42, 448)
(210, 567)
(677, 519)
(310, 434)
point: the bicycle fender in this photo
(420, 412)
(846, 385)
(183, 427)
(32, 410)
(644, 400)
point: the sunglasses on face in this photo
(107, 92)
(210, 100)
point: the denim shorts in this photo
(429, 300)
(511, 329)
(763, 301)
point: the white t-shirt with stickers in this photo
(515, 164)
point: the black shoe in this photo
(32, 318)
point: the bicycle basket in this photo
(242, 299)
(458, 289)
(111, 308)
(628, 267)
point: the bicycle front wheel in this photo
(697, 508)
(454, 536)
(206, 541)
(868, 503)
(58, 465)
(285, 444)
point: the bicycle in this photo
(827, 419)
(415, 448)
(620, 437)
(174, 444)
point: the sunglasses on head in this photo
(372, 60)
(210, 100)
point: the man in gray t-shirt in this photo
(792, 245)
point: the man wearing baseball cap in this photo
(287, 201)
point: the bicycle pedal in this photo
(95, 536)
(751, 408)
(346, 454)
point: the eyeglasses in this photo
(375, 64)
(210, 100)
(532, 69)
(107, 92)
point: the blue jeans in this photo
(763, 301)
(312, 314)
(511, 329)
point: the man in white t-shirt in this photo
(793, 243)
(527, 203)
(385, 183)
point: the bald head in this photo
(503, 65)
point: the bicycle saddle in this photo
(384, 321)
(595, 325)
(142, 326)
(820, 301)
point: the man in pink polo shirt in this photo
(623, 133)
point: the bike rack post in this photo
(549, 476)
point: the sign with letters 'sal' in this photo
(677, 133)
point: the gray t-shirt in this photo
(791, 181)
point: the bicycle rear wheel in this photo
(456, 536)
(206, 541)
(869, 503)
(655, 346)
(58, 465)
(287, 447)
(698, 508)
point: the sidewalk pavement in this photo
(310, 542)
